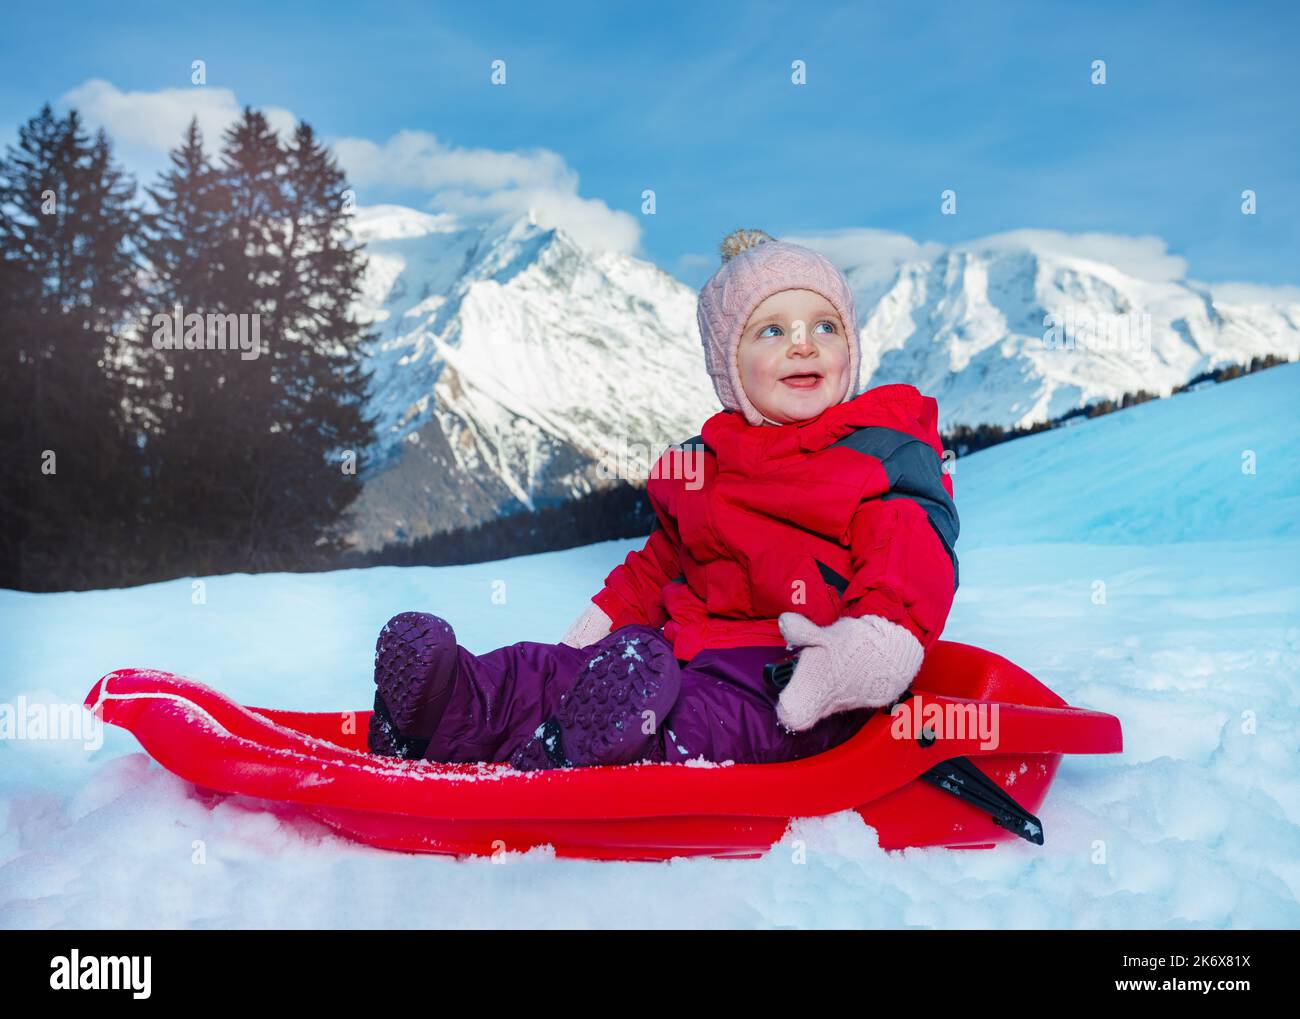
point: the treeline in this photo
(964, 439)
(619, 511)
(1231, 371)
(181, 389)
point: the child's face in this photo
(793, 356)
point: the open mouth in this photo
(803, 380)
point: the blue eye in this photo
(766, 331)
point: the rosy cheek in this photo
(759, 369)
(838, 348)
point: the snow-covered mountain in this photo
(1011, 335)
(514, 369)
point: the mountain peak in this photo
(511, 364)
(1021, 328)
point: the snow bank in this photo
(1126, 561)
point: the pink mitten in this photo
(588, 627)
(856, 662)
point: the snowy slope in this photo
(1217, 464)
(1192, 639)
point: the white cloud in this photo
(871, 255)
(474, 184)
(155, 122)
(1254, 293)
(858, 246)
(1146, 257)
(869, 258)
(487, 183)
(417, 159)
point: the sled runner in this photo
(967, 758)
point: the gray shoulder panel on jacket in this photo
(915, 472)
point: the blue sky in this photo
(695, 101)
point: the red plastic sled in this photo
(318, 761)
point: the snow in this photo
(1126, 561)
(514, 343)
(970, 325)
(519, 312)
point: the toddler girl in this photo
(811, 518)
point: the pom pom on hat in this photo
(742, 240)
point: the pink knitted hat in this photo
(754, 267)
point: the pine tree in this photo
(321, 282)
(174, 460)
(302, 400)
(247, 449)
(215, 249)
(69, 225)
(189, 389)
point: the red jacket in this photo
(847, 514)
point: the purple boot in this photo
(415, 666)
(601, 718)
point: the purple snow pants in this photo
(726, 710)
